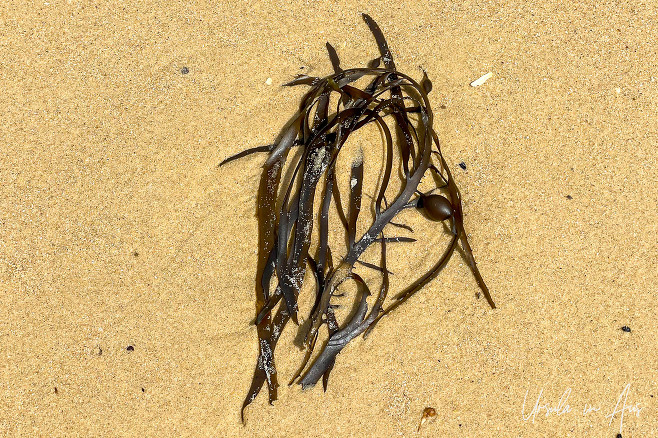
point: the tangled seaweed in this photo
(400, 108)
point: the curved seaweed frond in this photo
(399, 107)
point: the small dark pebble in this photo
(130, 348)
(143, 390)
(443, 107)
(569, 197)
(626, 329)
(100, 351)
(135, 253)
(185, 70)
(618, 435)
(56, 390)
(462, 165)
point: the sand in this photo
(118, 229)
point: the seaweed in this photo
(399, 107)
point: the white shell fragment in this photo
(481, 80)
(269, 81)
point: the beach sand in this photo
(118, 229)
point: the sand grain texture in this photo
(117, 228)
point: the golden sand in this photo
(118, 229)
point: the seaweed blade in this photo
(287, 214)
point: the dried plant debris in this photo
(428, 414)
(294, 226)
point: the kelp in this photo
(399, 106)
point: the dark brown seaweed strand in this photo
(459, 220)
(406, 227)
(324, 252)
(246, 152)
(381, 42)
(323, 256)
(333, 57)
(286, 218)
(323, 233)
(286, 225)
(372, 115)
(356, 183)
(338, 340)
(372, 266)
(398, 110)
(267, 272)
(332, 328)
(357, 325)
(287, 139)
(396, 239)
(302, 80)
(343, 270)
(426, 83)
(291, 271)
(268, 221)
(339, 208)
(293, 276)
(459, 234)
(418, 284)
